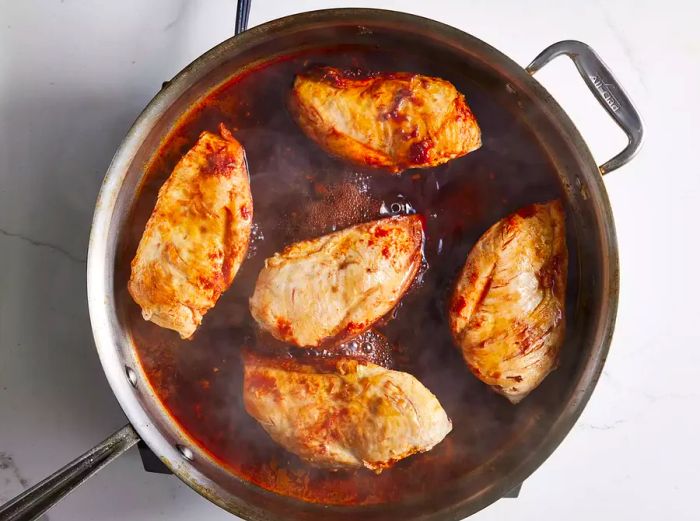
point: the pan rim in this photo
(100, 253)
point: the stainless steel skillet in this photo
(586, 200)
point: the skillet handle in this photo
(605, 88)
(242, 14)
(33, 502)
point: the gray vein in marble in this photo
(653, 398)
(9, 468)
(42, 244)
(603, 426)
(178, 16)
(7, 463)
(643, 392)
(622, 41)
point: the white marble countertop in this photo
(74, 75)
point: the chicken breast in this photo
(345, 413)
(507, 310)
(389, 120)
(196, 237)
(336, 286)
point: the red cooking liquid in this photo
(299, 191)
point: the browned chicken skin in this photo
(507, 310)
(336, 286)
(389, 120)
(196, 237)
(343, 413)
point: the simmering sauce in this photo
(300, 192)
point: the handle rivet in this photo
(186, 452)
(131, 375)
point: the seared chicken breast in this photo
(343, 413)
(336, 286)
(507, 310)
(389, 120)
(196, 237)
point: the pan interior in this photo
(300, 192)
